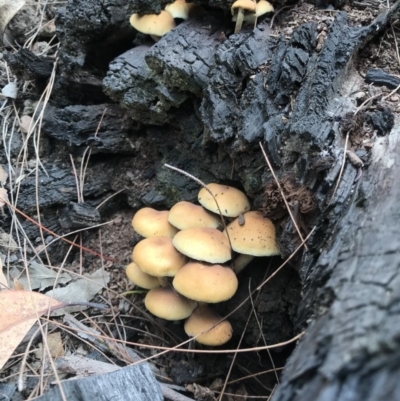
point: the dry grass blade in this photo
(283, 195)
(177, 348)
(234, 357)
(341, 168)
(86, 157)
(56, 235)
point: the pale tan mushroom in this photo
(201, 320)
(206, 283)
(185, 215)
(158, 257)
(155, 25)
(262, 7)
(256, 237)
(205, 244)
(180, 9)
(238, 10)
(149, 222)
(231, 201)
(166, 303)
(140, 278)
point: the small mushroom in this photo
(206, 283)
(238, 9)
(180, 9)
(185, 215)
(155, 25)
(201, 320)
(149, 222)
(205, 244)
(256, 237)
(140, 278)
(231, 201)
(166, 303)
(262, 7)
(158, 257)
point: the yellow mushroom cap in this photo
(140, 278)
(206, 283)
(202, 319)
(158, 257)
(166, 303)
(231, 201)
(149, 222)
(263, 7)
(179, 9)
(206, 244)
(153, 24)
(256, 237)
(185, 215)
(244, 4)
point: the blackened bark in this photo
(205, 99)
(351, 351)
(111, 386)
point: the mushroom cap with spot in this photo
(149, 222)
(205, 244)
(206, 283)
(231, 201)
(180, 9)
(202, 318)
(244, 4)
(185, 215)
(158, 257)
(140, 278)
(166, 303)
(153, 24)
(256, 237)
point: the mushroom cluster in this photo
(186, 257)
(248, 11)
(157, 25)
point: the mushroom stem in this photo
(155, 38)
(241, 262)
(239, 20)
(163, 281)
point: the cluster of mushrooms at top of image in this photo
(201, 253)
(157, 25)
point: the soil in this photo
(126, 173)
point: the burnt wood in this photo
(104, 128)
(205, 99)
(132, 383)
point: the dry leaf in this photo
(80, 290)
(3, 176)
(40, 277)
(3, 197)
(19, 310)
